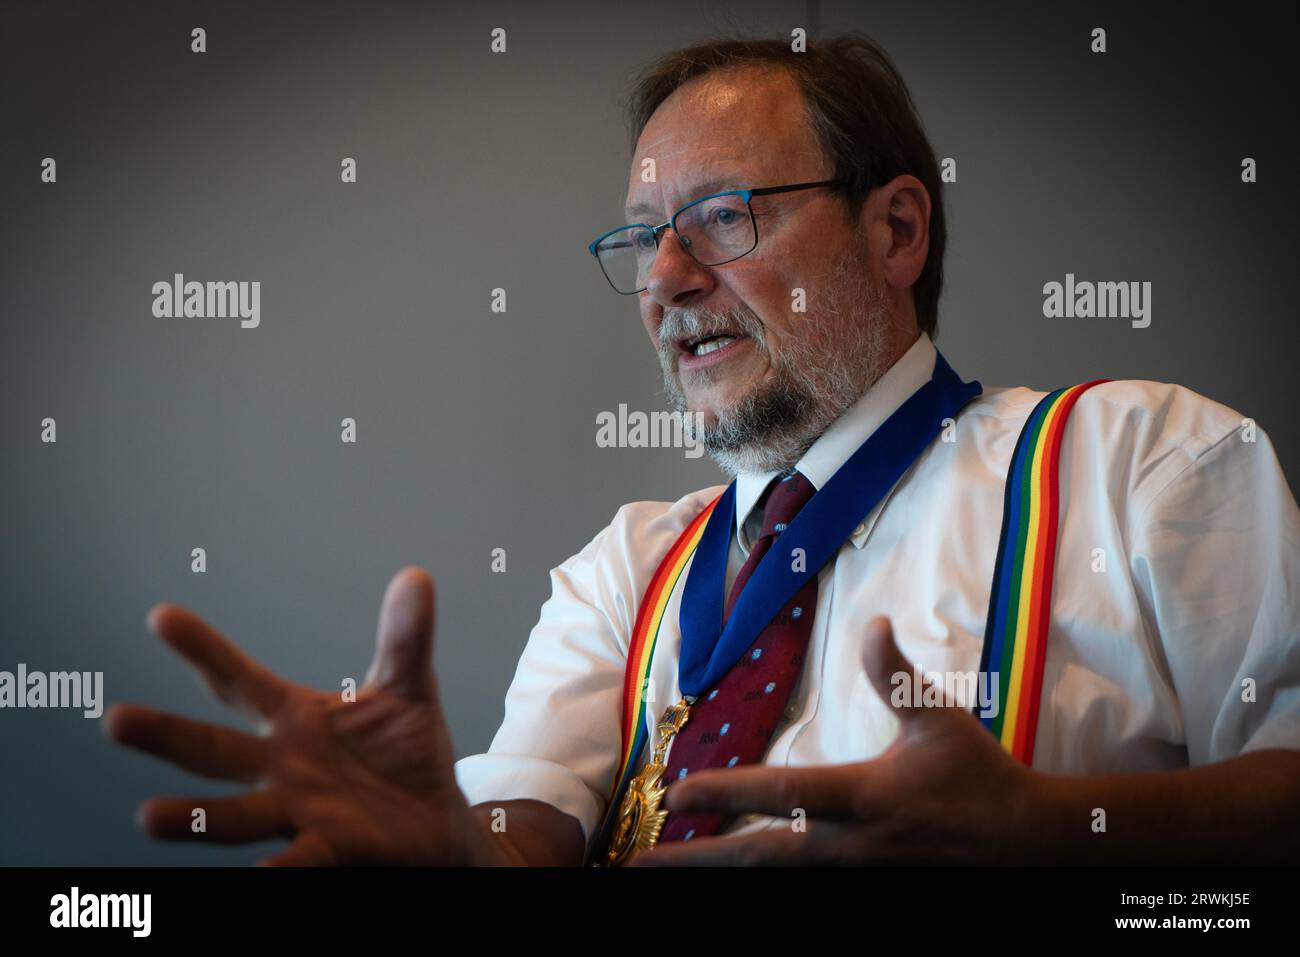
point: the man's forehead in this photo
(725, 130)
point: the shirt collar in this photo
(843, 437)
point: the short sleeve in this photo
(1217, 555)
(560, 738)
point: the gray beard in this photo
(841, 349)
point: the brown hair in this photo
(858, 107)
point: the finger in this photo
(233, 676)
(822, 843)
(898, 682)
(403, 660)
(779, 792)
(243, 818)
(306, 851)
(197, 746)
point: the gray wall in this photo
(477, 429)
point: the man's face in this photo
(781, 375)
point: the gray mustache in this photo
(693, 323)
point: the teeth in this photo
(712, 345)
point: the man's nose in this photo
(676, 278)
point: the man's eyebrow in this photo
(700, 190)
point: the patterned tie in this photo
(734, 722)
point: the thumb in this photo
(404, 643)
(897, 681)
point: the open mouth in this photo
(703, 345)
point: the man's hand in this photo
(368, 781)
(944, 791)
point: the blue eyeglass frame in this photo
(658, 231)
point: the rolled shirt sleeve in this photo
(561, 736)
(1217, 553)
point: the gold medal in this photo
(640, 820)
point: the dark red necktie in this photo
(733, 723)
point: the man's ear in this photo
(896, 218)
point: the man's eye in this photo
(725, 217)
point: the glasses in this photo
(714, 230)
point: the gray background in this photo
(477, 429)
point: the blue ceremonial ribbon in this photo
(708, 649)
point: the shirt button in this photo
(792, 711)
(862, 527)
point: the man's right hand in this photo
(369, 781)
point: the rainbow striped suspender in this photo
(640, 652)
(1015, 637)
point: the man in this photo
(1168, 722)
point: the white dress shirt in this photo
(1177, 591)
